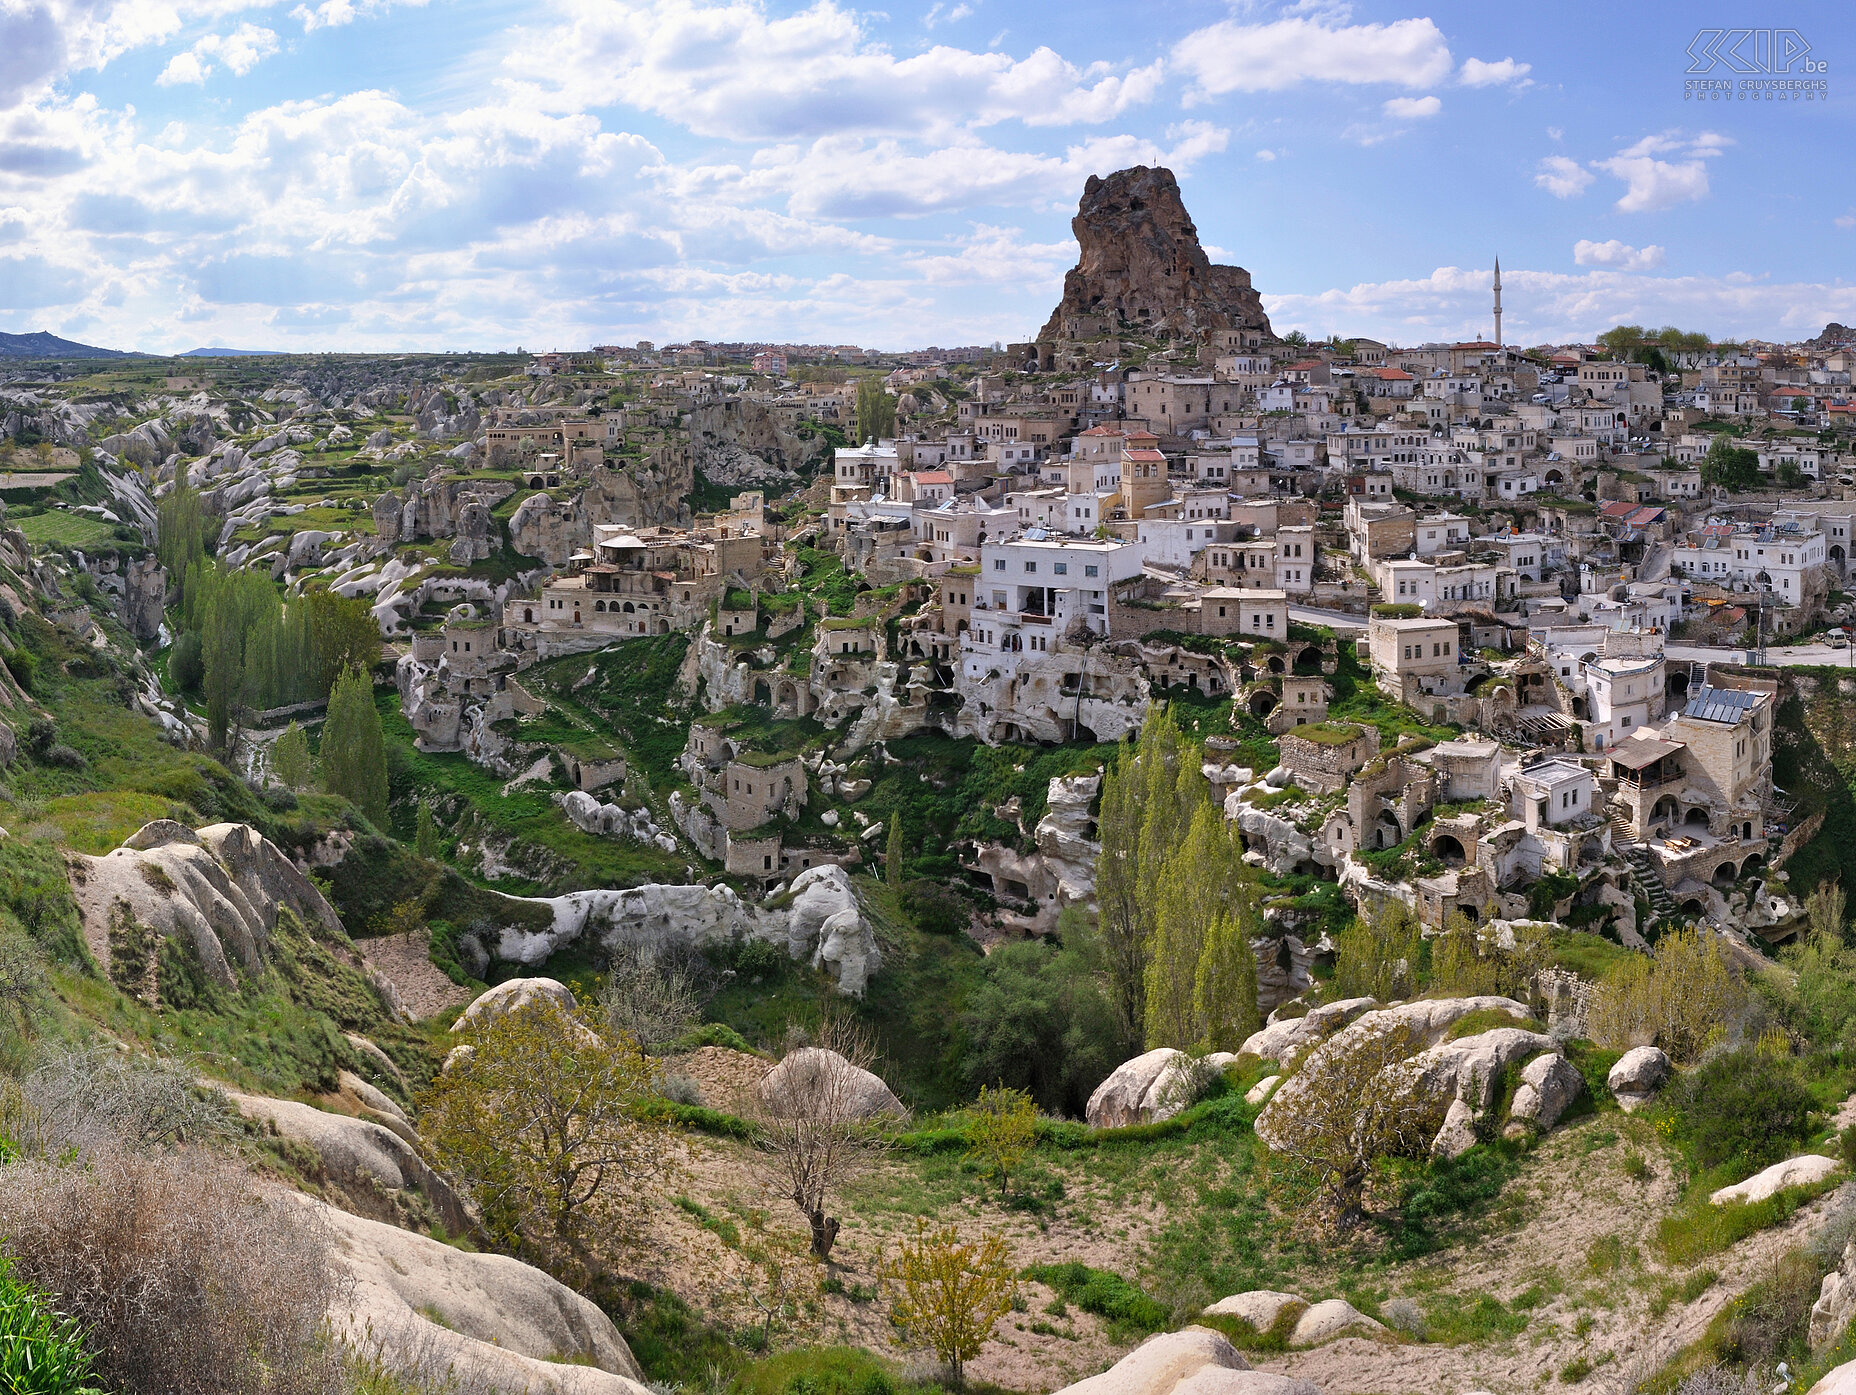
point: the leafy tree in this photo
(1732, 467)
(543, 1123)
(1200, 880)
(425, 833)
(1682, 997)
(1040, 1022)
(1377, 955)
(1003, 1125)
(354, 755)
(186, 663)
(180, 529)
(1351, 1108)
(290, 757)
(223, 652)
(947, 1294)
(1296, 338)
(876, 410)
(1224, 989)
(343, 635)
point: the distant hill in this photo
(44, 345)
(232, 353)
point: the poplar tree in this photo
(1224, 988)
(290, 757)
(425, 832)
(354, 755)
(892, 855)
(222, 647)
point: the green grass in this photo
(41, 1352)
(1700, 1229)
(1129, 1313)
(63, 528)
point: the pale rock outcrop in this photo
(1836, 1301)
(1436, 1071)
(660, 917)
(362, 1157)
(1330, 1320)
(1805, 1170)
(1192, 1361)
(220, 888)
(1259, 1092)
(1152, 1087)
(1549, 1083)
(144, 597)
(1637, 1076)
(811, 1072)
(1262, 1308)
(1839, 1380)
(513, 996)
(1457, 1134)
(486, 1318)
(613, 820)
(1281, 1040)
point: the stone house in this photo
(1323, 756)
(1414, 656)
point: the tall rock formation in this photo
(1142, 265)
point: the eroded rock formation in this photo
(1141, 264)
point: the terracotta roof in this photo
(1617, 509)
(1142, 455)
(933, 477)
(1396, 375)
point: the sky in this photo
(373, 175)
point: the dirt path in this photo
(405, 961)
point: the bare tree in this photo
(1351, 1104)
(89, 1097)
(651, 997)
(815, 1121)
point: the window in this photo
(1089, 571)
(1062, 569)
(998, 564)
(1031, 566)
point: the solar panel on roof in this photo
(1720, 704)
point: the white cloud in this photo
(1476, 73)
(1266, 155)
(1231, 56)
(1563, 178)
(1620, 256)
(1652, 184)
(940, 13)
(331, 14)
(732, 72)
(182, 68)
(1412, 108)
(241, 51)
(1846, 221)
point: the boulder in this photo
(1465, 1069)
(1638, 1075)
(426, 1309)
(1457, 1134)
(1836, 1301)
(1331, 1320)
(1548, 1084)
(516, 993)
(1125, 1097)
(365, 1159)
(812, 1075)
(1259, 1092)
(1805, 1170)
(371, 1096)
(1193, 1361)
(1280, 1040)
(1262, 1308)
(1839, 1380)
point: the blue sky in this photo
(472, 174)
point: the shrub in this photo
(1683, 998)
(1038, 1021)
(1742, 1110)
(935, 909)
(1767, 1321)
(67, 757)
(1128, 1312)
(185, 1275)
(23, 666)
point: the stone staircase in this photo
(1643, 870)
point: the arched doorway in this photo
(1746, 831)
(1677, 686)
(1308, 662)
(1752, 865)
(762, 693)
(1386, 832)
(1666, 808)
(1447, 848)
(1262, 703)
(1694, 906)
(1697, 815)
(1470, 913)
(1726, 874)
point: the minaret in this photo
(1498, 302)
